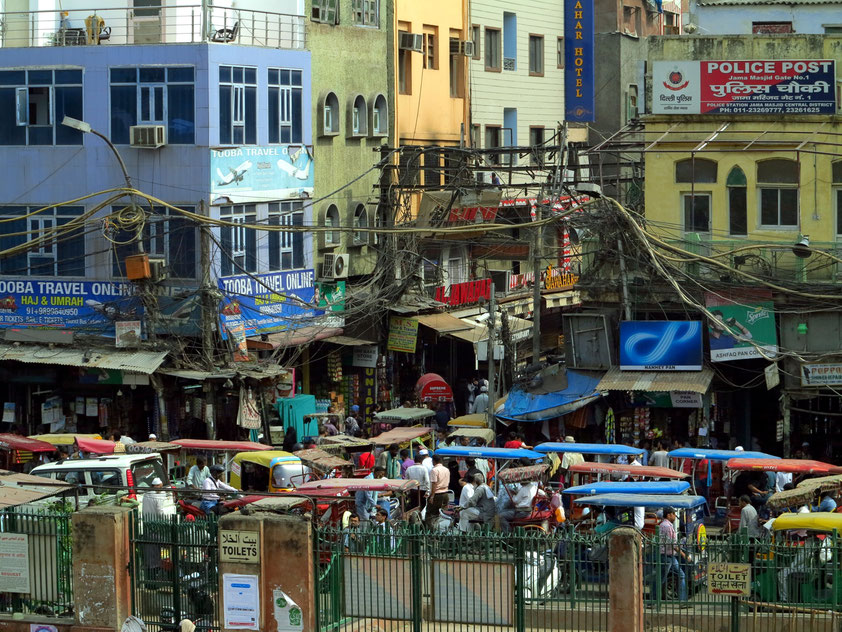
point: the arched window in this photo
(332, 221)
(777, 183)
(380, 117)
(737, 210)
(360, 221)
(695, 170)
(359, 116)
(330, 114)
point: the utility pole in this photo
(492, 381)
(624, 279)
(208, 311)
(536, 286)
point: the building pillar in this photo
(285, 573)
(625, 580)
(101, 556)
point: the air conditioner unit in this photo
(509, 63)
(467, 48)
(335, 266)
(411, 41)
(150, 136)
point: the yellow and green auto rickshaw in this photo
(267, 471)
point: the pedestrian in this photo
(482, 505)
(152, 437)
(748, 518)
(417, 472)
(473, 390)
(426, 459)
(390, 461)
(366, 500)
(569, 459)
(659, 457)
(212, 485)
(480, 405)
(367, 460)
(521, 506)
(439, 485)
(513, 442)
(351, 539)
(828, 502)
(442, 417)
(406, 462)
(352, 424)
(154, 507)
(331, 428)
(466, 493)
(198, 473)
(670, 554)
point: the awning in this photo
(657, 381)
(524, 405)
(91, 358)
(302, 336)
(432, 387)
(16, 442)
(442, 323)
(20, 489)
(569, 298)
(350, 341)
(251, 369)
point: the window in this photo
(325, 11)
(777, 181)
(63, 257)
(431, 54)
(330, 113)
(239, 244)
(695, 170)
(153, 96)
(559, 52)
(432, 169)
(832, 29)
(631, 103)
(332, 237)
(286, 114)
(360, 221)
(509, 41)
(404, 69)
(737, 208)
(366, 12)
(33, 104)
(771, 27)
(166, 235)
(476, 39)
(536, 141)
(493, 139)
(492, 50)
(237, 105)
(286, 249)
(359, 116)
(380, 117)
(105, 480)
(536, 55)
(457, 75)
(696, 212)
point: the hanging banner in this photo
(579, 61)
(798, 86)
(403, 334)
(258, 174)
(737, 330)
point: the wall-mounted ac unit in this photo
(467, 48)
(149, 136)
(411, 41)
(335, 266)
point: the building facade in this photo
(738, 17)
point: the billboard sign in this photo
(741, 331)
(821, 374)
(579, 61)
(266, 303)
(661, 345)
(257, 174)
(89, 307)
(800, 86)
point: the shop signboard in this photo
(557, 280)
(745, 87)
(403, 334)
(330, 297)
(468, 293)
(821, 374)
(579, 89)
(266, 303)
(365, 356)
(258, 174)
(661, 345)
(741, 330)
(89, 307)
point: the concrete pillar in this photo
(286, 565)
(625, 580)
(101, 555)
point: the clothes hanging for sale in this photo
(249, 413)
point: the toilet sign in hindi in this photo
(725, 578)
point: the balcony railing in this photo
(151, 25)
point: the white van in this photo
(100, 474)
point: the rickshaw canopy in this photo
(16, 442)
(823, 482)
(643, 471)
(403, 415)
(213, 445)
(357, 485)
(320, 460)
(99, 446)
(486, 452)
(148, 447)
(610, 449)
(486, 434)
(819, 521)
(476, 420)
(717, 455)
(63, 439)
(521, 474)
(794, 466)
(659, 501)
(401, 435)
(266, 458)
(792, 497)
(625, 487)
(337, 443)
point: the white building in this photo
(745, 17)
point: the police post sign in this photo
(579, 61)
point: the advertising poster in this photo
(84, 306)
(127, 333)
(737, 330)
(9, 412)
(256, 174)
(14, 560)
(287, 613)
(799, 86)
(403, 334)
(240, 601)
(579, 61)
(266, 303)
(330, 297)
(661, 345)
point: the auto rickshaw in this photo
(388, 419)
(411, 438)
(346, 488)
(325, 465)
(589, 472)
(474, 420)
(18, 454)
(708, 465)
(476, 436)
(543, 516)
(498, 458)
(627, 487)
(607, 450)
(267, 471)
(214, 451)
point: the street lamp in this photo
(86, 128)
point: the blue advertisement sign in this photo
(579, 61)
(89, 307)
(661, 345)
(254, 174)
(266, 303)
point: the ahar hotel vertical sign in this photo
(579, 61)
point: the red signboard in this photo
(464, 293)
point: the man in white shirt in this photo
(156, 501)
(426, 461)
(481, 402)
(522, 505)
(197, 474)
(639, 512)
(421, 474)
(212, 484)
(467, 492)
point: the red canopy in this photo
(221, 446)
(636, 471)
(795, 466)
(431, 387)
(97, 446)
(17, 442)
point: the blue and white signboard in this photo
(265, 303)
(83, 306)
(255, 174)
(661, 345)
(579, 89)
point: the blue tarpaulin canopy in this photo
(621, 487)
(717, 455)
(523, 405)
(643, 500)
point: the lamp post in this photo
(86, 128)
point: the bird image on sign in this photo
(236, 174)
